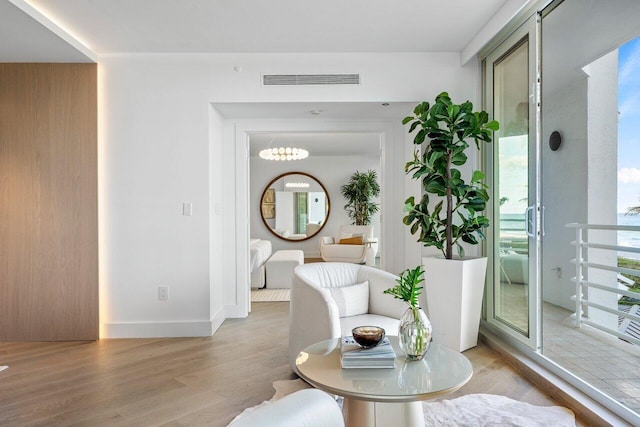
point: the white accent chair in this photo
(304, 408)
(332, 251)
(329, 299)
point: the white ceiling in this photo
(109, 26)
(394, 111)
(318, 143)
(25, 39)
(130, 26)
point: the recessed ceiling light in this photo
(385, 104)
(315, 112)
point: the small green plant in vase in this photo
(414, 329)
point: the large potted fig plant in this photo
(448, 214)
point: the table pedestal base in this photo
(361, 413)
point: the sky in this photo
(629, 125)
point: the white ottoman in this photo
(280, 268)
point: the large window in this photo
(589, 96)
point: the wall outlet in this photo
(163, 293)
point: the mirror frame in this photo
(264, 221)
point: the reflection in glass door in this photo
(511, 99)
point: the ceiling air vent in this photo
(310, 79)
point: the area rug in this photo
(472, 410)
(2, 368)
(269, 295)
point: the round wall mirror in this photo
(294, 206)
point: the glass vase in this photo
(414, 333)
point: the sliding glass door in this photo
(512, 99)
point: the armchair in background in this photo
(354, 244)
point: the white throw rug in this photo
(2, 368)
(472, 410)
(269, 295)
(484, 410)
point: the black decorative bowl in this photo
(368, 336)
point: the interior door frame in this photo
(531, 29)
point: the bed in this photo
(260, 253)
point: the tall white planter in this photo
(453, 291)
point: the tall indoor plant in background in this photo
(455, 285)
(359, 192)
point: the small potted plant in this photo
(414, 330)
(456, 284)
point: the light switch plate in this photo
(187, 209)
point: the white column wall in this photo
(564, 185)
(159, 149)
(603, 179)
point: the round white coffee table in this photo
(384, 397)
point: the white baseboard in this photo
(160, 329)
(216, 320)
(234, 312)
(164, 329)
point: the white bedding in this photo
(260, 253)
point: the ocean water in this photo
(629, 238)
(513, 224)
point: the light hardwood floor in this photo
(180, 381)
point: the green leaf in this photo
(407, 120)
(408, 287)
(421, 108)
(459, 159)
(478, 176)
(435, 186)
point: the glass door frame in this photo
(530, 29)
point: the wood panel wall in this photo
(48, 202)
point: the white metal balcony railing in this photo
(630, 320)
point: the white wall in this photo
(155, 142)
(217, 248)
(579, 99)
(155, 157)
(332, 172)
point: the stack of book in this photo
(355, 357)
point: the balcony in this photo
(597, 341)
(602, 360)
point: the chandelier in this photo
(297, 185)
(284, 153)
